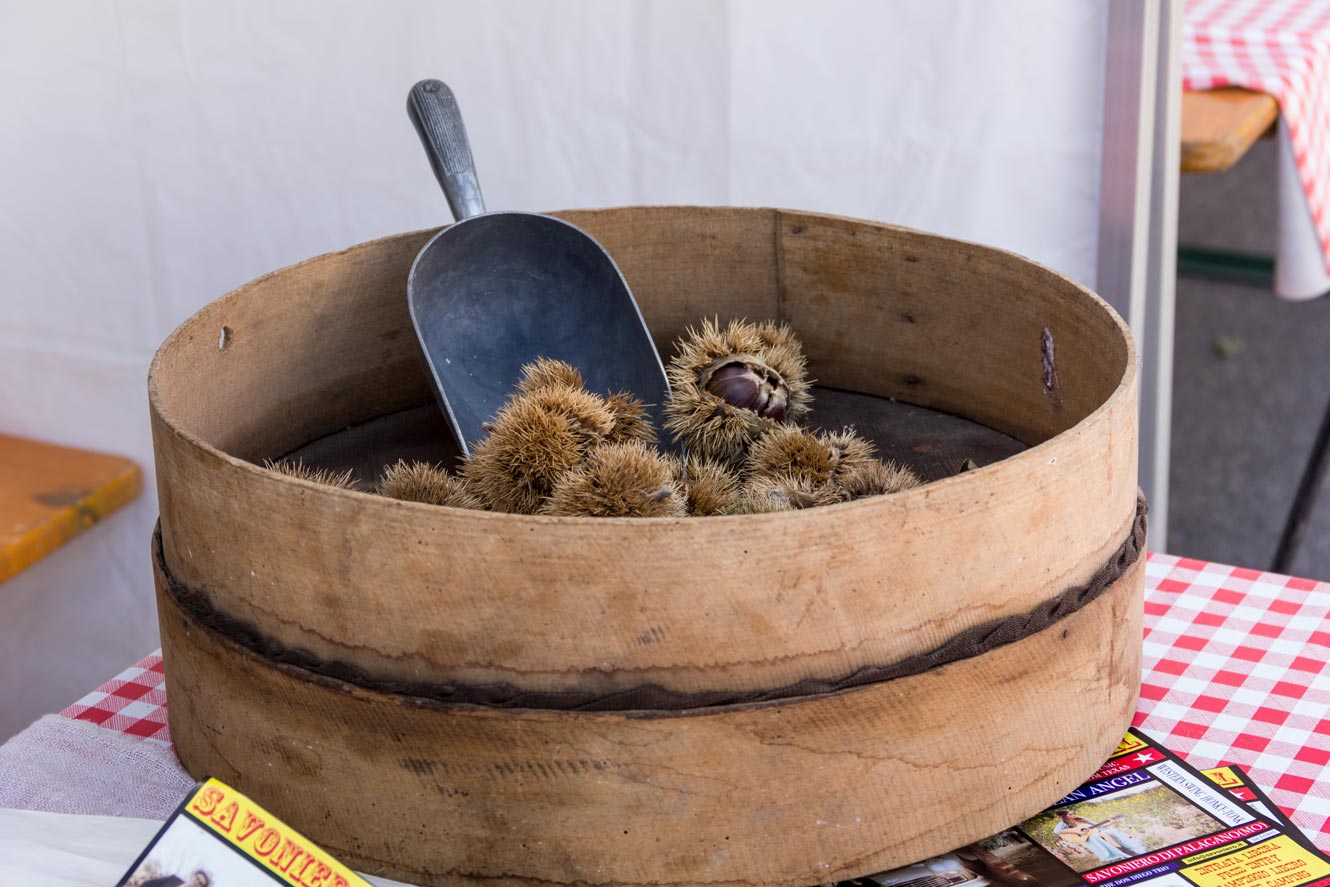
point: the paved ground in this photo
(1243, 424)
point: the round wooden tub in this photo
(417, 687)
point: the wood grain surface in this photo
(49, 494)
(804, 791)
(1220, 125)
(419, 593)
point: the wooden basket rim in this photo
(902, 499)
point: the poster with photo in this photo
(186, 855)
(1145, 817)
(219, 838)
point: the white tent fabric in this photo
(155, 155)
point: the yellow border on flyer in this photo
(264, 838)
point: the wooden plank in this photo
(1220, 125)
(49, 494)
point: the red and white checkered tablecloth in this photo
(133, 702)
(1236, 671)
(1281, 47)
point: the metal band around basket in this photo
(651, 697)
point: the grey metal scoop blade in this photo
(498, 290)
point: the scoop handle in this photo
(438, 121)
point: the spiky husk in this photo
(876, 478)
(631, 419)
(709, 487)
(626, 479)
(843, 461)
(849, 449)
(762, 503)
(424, 482)
(705, 423)
(785, 492)
(859, 472)
(327, 477)
(793, 451)
(534, 439)
(545, 372)
(712, 429)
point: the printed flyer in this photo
(220, 838)
(1234, 780)
(1145, 818)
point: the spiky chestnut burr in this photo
(545, 372)
(785, 492)
(344, 480)
(876, 478)
(631, 419)
(709, 487)
(423, 482)
(762, 503)
(850, 450)
(859, 472)
(728, 385)
(794, 451)
(535, 438)
(618, 480)
(827, 466)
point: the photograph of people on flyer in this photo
(1124, 824)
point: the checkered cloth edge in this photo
(1236, 671)
(1281, 47)
(133, 702)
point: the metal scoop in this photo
(497, 290)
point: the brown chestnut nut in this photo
(749, 388)
(731, 383)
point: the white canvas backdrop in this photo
(154, 155)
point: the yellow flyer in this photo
(220, 838)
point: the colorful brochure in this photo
(1234, 780)
(1145, 818)
(219, 838)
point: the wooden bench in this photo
(49, 494)
(1220, 125)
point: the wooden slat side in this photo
(1220, 125)
(49, 494)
